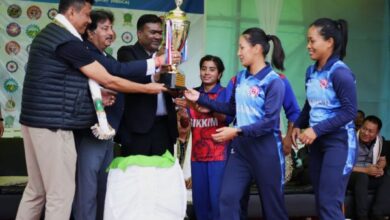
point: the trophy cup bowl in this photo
(176, 33)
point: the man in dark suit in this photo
(148, 126)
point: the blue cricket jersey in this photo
(331, 103)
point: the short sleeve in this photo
(75, 53)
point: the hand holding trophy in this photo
(175, 33)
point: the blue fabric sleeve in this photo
(290, 104)
(345, 87)
(303, 119)
(127, 70)
(272, 106)
(75, 53)
(227, 108)
(228, 92)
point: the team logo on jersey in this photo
(34, 12)
(127, 37)
(14, 11)
(12, 47)
(32, 30)
(254, 91)
(13, 29)
(51, 13)
(323, 83)
(12, 66)
(10, 85)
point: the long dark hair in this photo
(258, 36)
(336, 29)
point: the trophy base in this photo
(173, 80)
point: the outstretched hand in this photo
(191, 95)
(155, 88)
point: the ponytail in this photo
(277, 53)
(258, 36)
(343, 27)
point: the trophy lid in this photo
(177, 13)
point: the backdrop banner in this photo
(21, 21)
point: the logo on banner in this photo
(9, 121)
(13, 29)
(51, 13)
(127, 37)
(32, 30)
(14, 11)
(12, 66)
(34, 12)
(127, 19)
(10, 85)
(12, 47)
(10, 105)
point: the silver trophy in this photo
(176, 33)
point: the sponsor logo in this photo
(10, 85)
(12, 47)
(127, 19)
(13, 29)
(51, 13)
(248, 110)
(14, 11)
(12, 66)
(9, 121)
(127, 37)
(32, 30)
(34, 12)
(10, 105)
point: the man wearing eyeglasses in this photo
(369, 172)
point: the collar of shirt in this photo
(368, 145)
(214, 90)
(65, 22)
(262, 73)
(331, 60)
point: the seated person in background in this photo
(369, 172)
(359, 119)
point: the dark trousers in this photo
(260, 159)
(206, 187)
(329, 172)
(93, 158)
(360, 184)
(155, 142)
